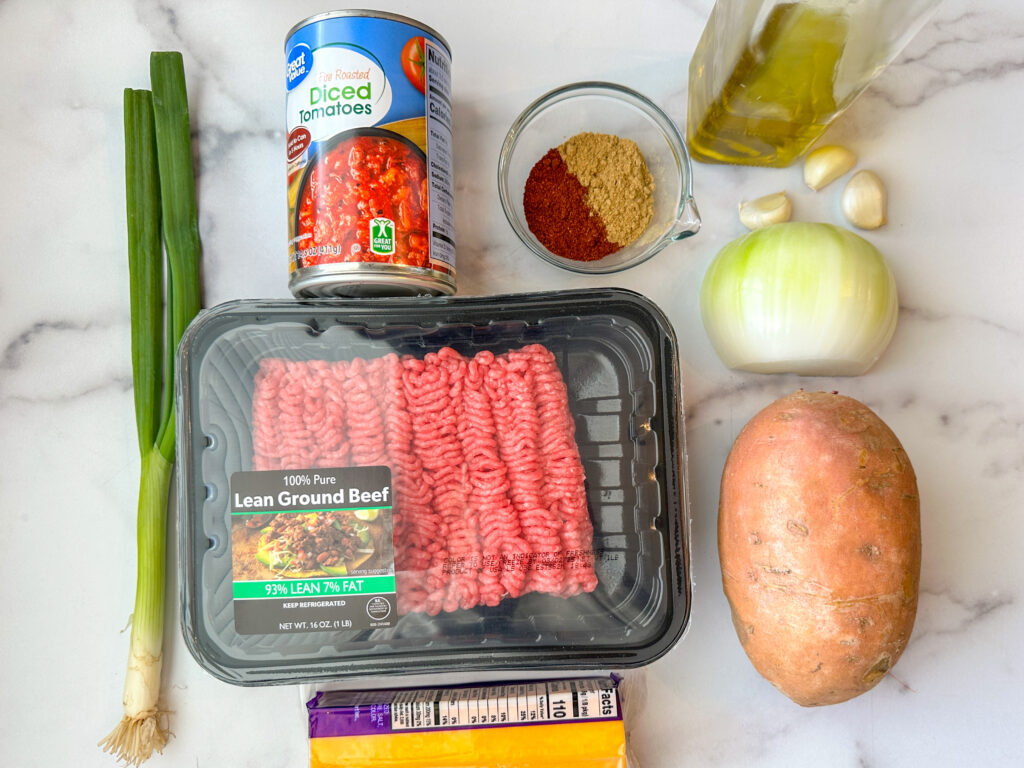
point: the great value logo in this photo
(298, 66)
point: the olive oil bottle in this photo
(780, 95)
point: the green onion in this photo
(181, 217)
(160, 189)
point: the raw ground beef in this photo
(488, 483)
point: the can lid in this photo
(368, 279)
(367, 13)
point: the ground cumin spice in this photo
(619, 185)
(589, 197)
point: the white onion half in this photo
(810, 299)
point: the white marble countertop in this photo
(942, 126)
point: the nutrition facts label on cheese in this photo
(520, 704)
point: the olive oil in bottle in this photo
(779, 96)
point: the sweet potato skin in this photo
(819, 538)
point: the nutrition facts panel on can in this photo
(520, 704)
(438, 80)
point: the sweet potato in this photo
(819, 536)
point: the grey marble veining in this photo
(942, 127)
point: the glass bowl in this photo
(602, 108)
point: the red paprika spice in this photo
(557, 213)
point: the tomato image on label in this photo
(365, 200)
(413, 62)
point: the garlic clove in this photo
(865, 200)
(765, 211)
(826, 164)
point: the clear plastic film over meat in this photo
(398, 486)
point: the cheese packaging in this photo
(572, 723)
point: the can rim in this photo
(367, 13)
(385, 276)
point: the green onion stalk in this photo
(162, 216)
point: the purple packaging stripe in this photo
(368, 713)
(333, 722)
(354, 720)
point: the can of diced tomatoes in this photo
(370, 203)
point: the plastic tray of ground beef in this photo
(521, 499)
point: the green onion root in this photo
(143, 729)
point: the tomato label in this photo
(344, 89)
(369, 151)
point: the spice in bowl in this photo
(589, 197)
